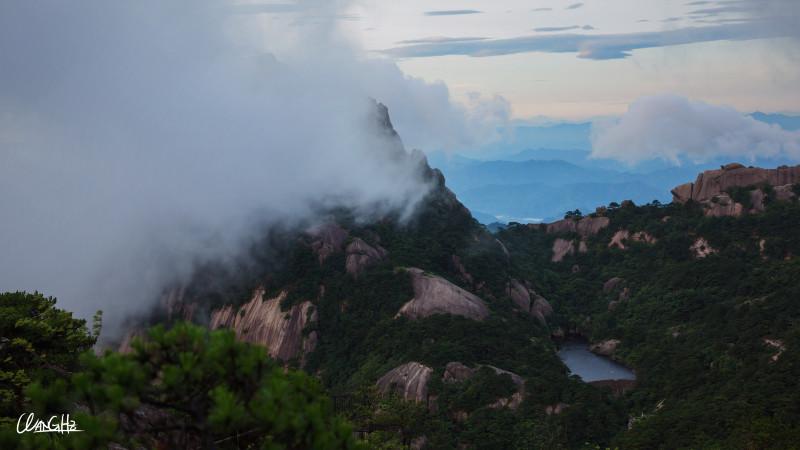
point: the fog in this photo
(137, 138)
(676, 129)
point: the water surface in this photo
(590, 367)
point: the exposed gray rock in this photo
(715, 182)
(561, 249)
(701, 248)
(527, 300)
(457, 372)
(409, 380)
(605, 348)
(361, 255)
(612, 284)
(585, 227)
(556, 409)
(435, 295)
(327, 240)
(262, 322)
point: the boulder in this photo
(621, 236)
(585, 227)
(618, 240)
(455, 372)
(644, 237)
(462, 271)
(605, 348)
(409, 380)
(722, 205)
(527, 300)
(590, 226)
(556, 409)
(701, 248)
(682, 193)
(776, 344)
(361, 255)
(715, 182)
(263, 322)
(327, 239)
(561, 249)
(612, 284)
(435, 295)
(785, 192)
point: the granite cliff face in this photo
(435, 295)
(585, 227)
(262, 322)
(409, 380)
(712, 186)
(361, 256)
(528, 301)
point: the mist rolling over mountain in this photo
(317, 224)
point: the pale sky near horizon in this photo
(739, 69)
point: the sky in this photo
(138, 139)
(571, 60)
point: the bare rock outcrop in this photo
(435, 295)
(712, 183)
(605, 348)
(776, 344)
(172, 300)
(409, 380)
(785, 192)
(327, 240)
(126, 345)
(610, 285)
(561, 249)
(456, 372)
(618, 240)
(701, 248)
(556, 409)
(527, 300)
(622, 236)
(585, 227)
(462, 271)
(262, 322)
(723, 205)
(361, 256)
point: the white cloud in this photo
(675, 129)
(138, 137)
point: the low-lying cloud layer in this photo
(676, 129)
(139, 137)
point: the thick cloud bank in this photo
(138, 137)
(675, 129)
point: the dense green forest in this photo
(713, 340)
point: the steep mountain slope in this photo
(359, 303)
(432, 331)
(705, 308)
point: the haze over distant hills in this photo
(538, 173)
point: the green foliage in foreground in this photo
(37, 340)
(188, 388)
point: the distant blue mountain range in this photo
(539, 173)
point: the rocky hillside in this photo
(459, 328)
(701, 301)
